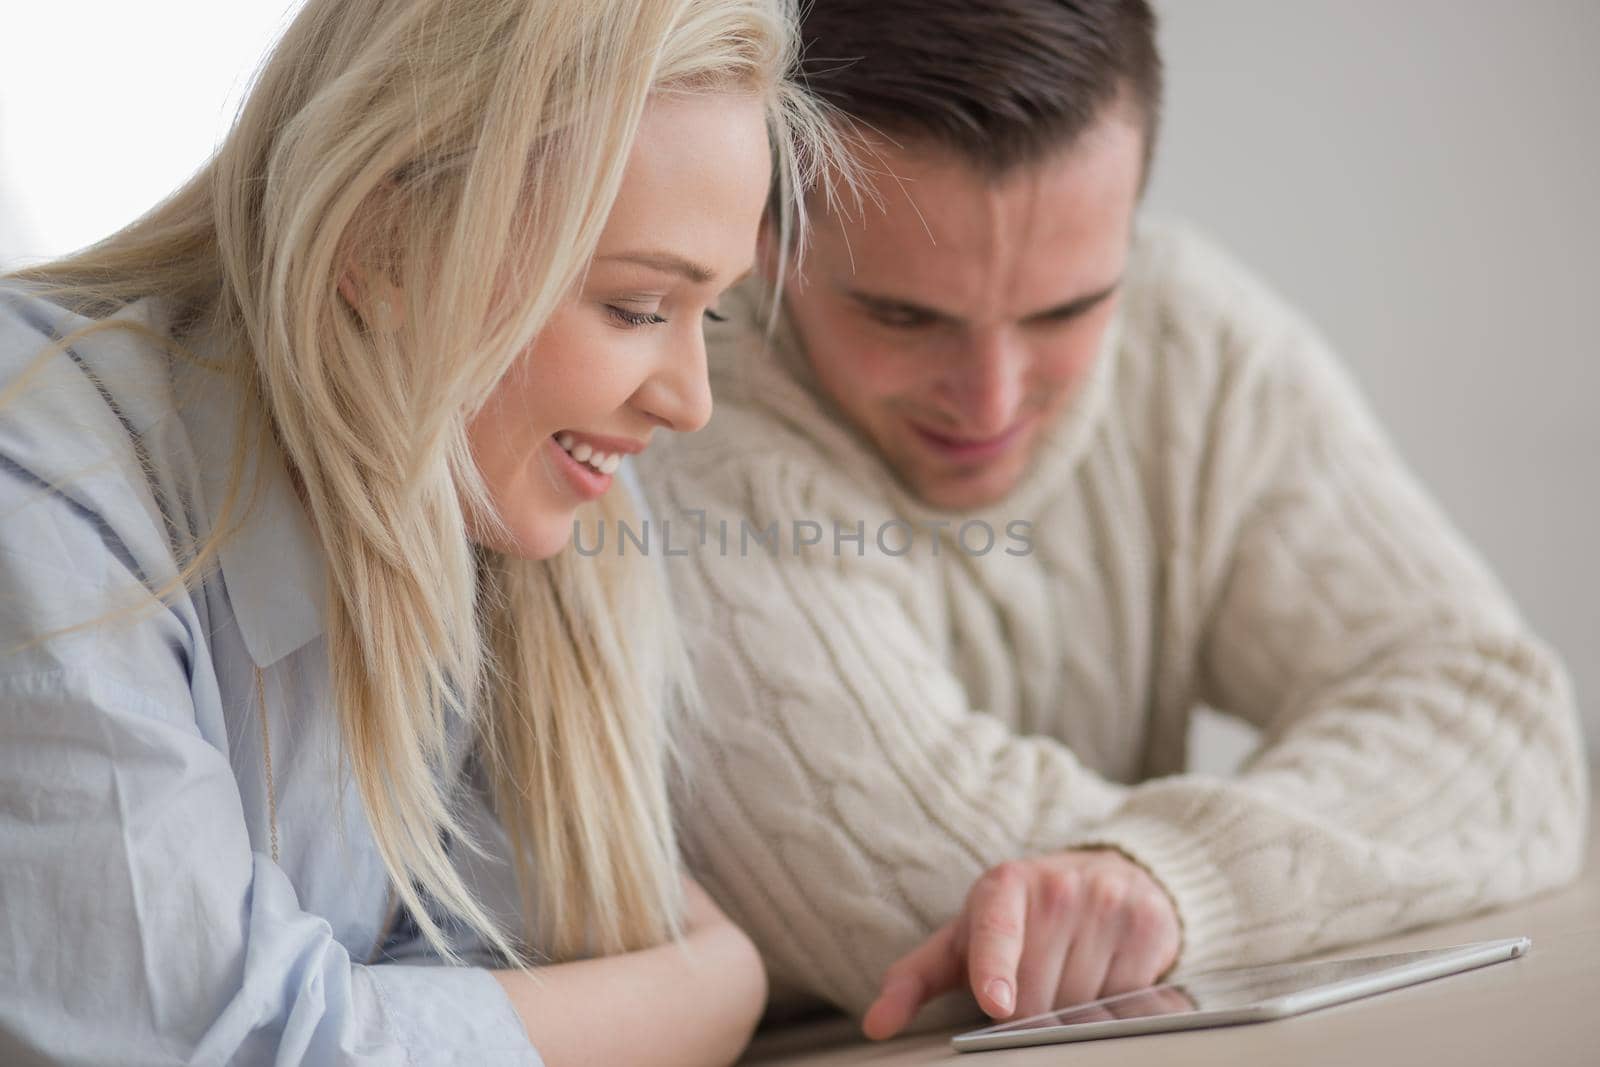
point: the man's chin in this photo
(947, 486)
(964, 491)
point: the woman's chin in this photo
(538, 536)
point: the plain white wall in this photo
(1421, 178)
(107, 106)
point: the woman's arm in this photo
(140, 926)
(694, 1003)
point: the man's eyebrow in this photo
(666, 262)
(889, 303)
(1075, 306)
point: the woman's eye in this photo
(624, 317)
(712, 316)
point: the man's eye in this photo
(624, 317)
(902, 318)
(1059, 316)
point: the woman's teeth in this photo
(603, 462)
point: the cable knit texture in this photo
(1216, 520)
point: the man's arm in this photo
(845, 796)
(1421, 757)
(842, 795)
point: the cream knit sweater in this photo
(1216, 521)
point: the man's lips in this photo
(970, 449)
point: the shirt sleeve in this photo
(487, 869)
(136, 923)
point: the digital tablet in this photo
(1245, 995)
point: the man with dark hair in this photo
(1017, 486)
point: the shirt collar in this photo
(272, 564)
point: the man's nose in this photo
(989, 385)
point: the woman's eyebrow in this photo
(667, 262)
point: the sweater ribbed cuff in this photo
(1181, 862)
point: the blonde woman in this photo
(317, 746)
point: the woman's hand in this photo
(1039, 934)
(699, 910)
(692, 1004)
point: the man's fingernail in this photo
(878, 1022)
(999, 991)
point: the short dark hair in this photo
(1001, 82)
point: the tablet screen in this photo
(1221, 992)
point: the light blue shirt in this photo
(142, 917)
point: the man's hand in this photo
(1039, 934)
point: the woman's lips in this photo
(586, 482)
(969, 449)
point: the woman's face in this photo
(624, 354)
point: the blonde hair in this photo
(470, 150)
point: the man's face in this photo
(953, 324)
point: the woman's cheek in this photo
(572, 373)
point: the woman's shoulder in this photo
(96, 472)
(87, 406)
(55, 362)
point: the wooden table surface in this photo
(1541, 1009)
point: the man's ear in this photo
(768, 250)
(777, 265)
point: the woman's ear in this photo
(368, 283)
(378, 303)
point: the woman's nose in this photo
(678, 396)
